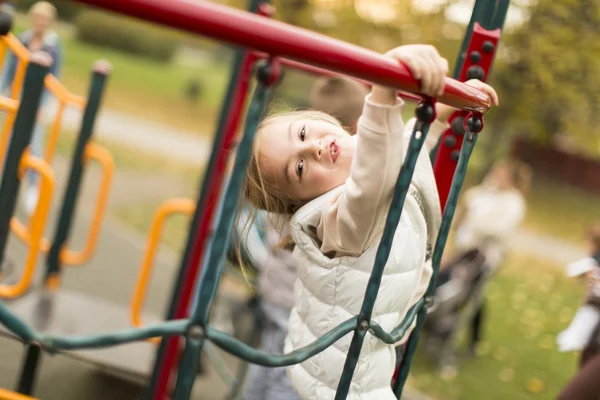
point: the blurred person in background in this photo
(583, 334)
(488, 216)
(40, 37)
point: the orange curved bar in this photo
(8, 104)
(22, 233)
(15, 45)
(37, 223)
(22, 54)
(104, 158)
(54, 132)
(169, 207)
(62, 93)
(2, 49)
(9, 395)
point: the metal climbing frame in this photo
(275, 39)
(32, 235)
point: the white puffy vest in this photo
(329, 291)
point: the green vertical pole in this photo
(22, 132)
(236, 77)
(236, 72)
(425, 113)
(459, 176)
(33, 86)
(100, 74)
(482, 13)
(491, 15)
(213, 265)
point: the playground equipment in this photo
(33, 234)
(293, 46)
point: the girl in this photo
(337, 189)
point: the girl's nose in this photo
(318, 150)
(315, 149)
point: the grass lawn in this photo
(139, 217)
(144, 87)
(530, 301)
(129, 159)
(561, 211)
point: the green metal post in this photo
(213, 265)
(234, 92)
(425, 114)
(9, 188)
(491, 15)
(459, 177)
(22, 133)
(100, 74)
(236, 74)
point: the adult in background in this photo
(40, 37)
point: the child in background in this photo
(337, 189)
(340, 97)
(490, 214)
(579, 334)
(40, 37)
(266, 251)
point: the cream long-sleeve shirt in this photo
(352, 221)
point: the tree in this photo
(548, 76)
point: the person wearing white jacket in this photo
(489, 215)
(339, 189)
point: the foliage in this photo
(126, 34)
(548, 76)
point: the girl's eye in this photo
(302, 133)
(300, 168)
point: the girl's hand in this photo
(424, 63)
(444, 111)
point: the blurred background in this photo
(162, 103)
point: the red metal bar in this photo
(279, 39)
(310, 69)
(204, 229)
(480, 54)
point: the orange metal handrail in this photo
(10, 395)
(104, 158)
(169, 207)
(36, 224)
(54, 86)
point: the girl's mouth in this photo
(334, 151)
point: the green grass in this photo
(558, 210)
(131, 160)
(144, 87)
(530, 302)
(139, 217)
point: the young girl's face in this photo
(305, 158)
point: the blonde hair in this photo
(341, 97)
(44, 8)
(263, 195)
